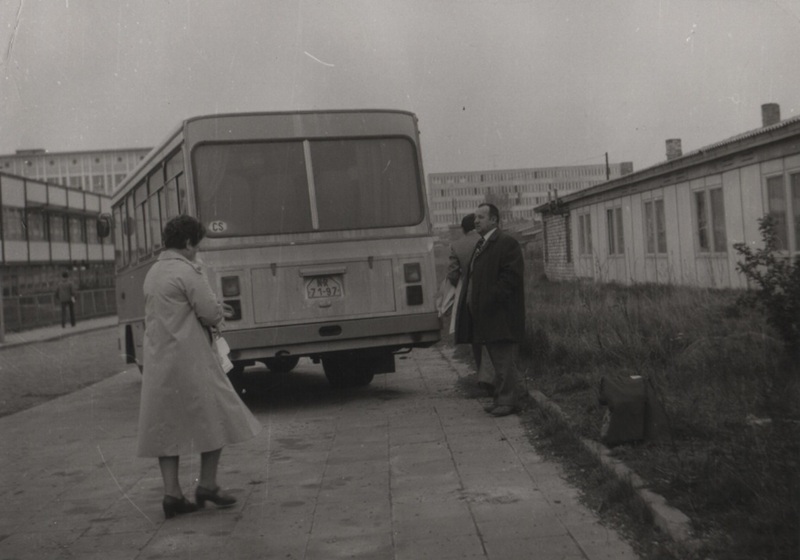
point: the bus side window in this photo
(130, 221)
(140, 200)
(155, 219)
(171, 199)
(153, 226)
(175, 195)
(119, 253)
(162, 204)
(175, 164)
(181, 194)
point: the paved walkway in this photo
(405, 469)
(53, 332)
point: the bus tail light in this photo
(230, 286)
(237, 309)
(414, 295)
(412, 273)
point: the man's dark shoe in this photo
(503, 410)
(489, 407)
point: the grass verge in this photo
(732, 399)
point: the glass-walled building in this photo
(46, 229)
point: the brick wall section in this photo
(558, 262)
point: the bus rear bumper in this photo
(320, 338)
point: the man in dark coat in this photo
(492, 307)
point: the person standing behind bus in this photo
(460, 255)
(65, 293)
(492, 312)
(187, 404)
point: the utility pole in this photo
(608, 169)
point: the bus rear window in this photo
(263, 188)
(366, 183)
(252, 189)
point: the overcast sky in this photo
(495, 84)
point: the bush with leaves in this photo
(774, 281)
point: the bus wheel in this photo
(281, 364)
(363, 378)
(343, 373)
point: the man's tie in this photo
(475, 253)
(479, 246)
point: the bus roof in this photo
(134, 176)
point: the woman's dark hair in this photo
(468, 223)
(181, 229)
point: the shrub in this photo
(777, 280)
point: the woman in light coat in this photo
(188, 405)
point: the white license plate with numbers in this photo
(324, 287)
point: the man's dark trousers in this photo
(64, 306)
(508, 385)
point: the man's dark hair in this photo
(493, 211)
(468, 223)
(181, 229)
(65, 274)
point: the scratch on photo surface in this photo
(125, 494)
(311, 56)
(14, 32)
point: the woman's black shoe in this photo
(203, 495)
(176, 506)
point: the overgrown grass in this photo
(732, 400)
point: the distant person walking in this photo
(492, 311)
(458, 266)
(188, 405)
(65, 293)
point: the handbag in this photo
(222, 349)
(445, 297)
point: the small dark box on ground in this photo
(634, 413)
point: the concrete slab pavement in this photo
(406, 468)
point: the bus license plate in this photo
(324, 287)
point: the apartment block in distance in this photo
(516, 192)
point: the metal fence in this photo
(39, 310)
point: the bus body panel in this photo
(371, 274)
(282, 293)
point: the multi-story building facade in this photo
(516, 192)
(93, 171)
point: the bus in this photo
(318, 236)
